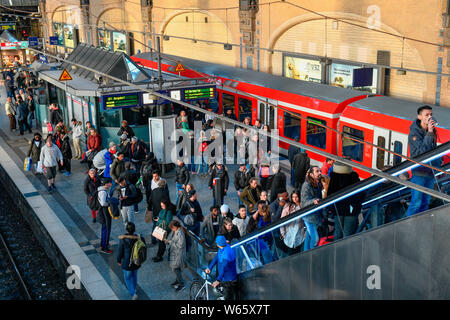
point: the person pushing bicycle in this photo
(227, 277)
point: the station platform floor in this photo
(69, 204)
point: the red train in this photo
(380, 120)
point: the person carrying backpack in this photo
(131, 254)
(104, 218)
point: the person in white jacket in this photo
(77, 133)
(50, 155)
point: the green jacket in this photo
(247, 197)
(164, 218)
(117, 167)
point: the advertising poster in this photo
(58, 31)
(104, 39)
(119, 42)
(68, 36)
(302, 69)
(341, 75)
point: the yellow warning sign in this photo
(65, 76)
(179, 68)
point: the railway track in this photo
(13, 286)
(26, 272)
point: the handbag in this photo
(27, 164)
(159, 233)
(90, 156)
(39, 167)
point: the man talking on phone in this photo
(421, 139)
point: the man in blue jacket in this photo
(421, 139)
(227, 275)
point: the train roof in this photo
(300, 87)
(401, 108)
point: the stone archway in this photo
(306, 34)
(199, 24)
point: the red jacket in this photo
(95, 142)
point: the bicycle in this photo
(199, 290)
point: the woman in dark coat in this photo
(91, 184)
(35, 150)
(66, 151)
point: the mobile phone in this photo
(435, 121)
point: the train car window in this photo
(262, 112)
(227, 83)
(381, 153)
(234, 84)
(110, 118)
(351, 148)
(227, 103)
(292, 126)
(245, 109)
(316, 135)
(398, 148)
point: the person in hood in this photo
(422, 138)
(227, 273)
(125, 129)
(124, 146)
(226, 212)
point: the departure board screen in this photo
(121, 101)
(200, 93)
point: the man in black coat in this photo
(192, 206)
(301, 165)
(242, 179)
(278, 182)
(346, 220)
(292, 151)
(138, 151)
(181, 178)
(221, 172)
(66, 151)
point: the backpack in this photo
(139, 252)
(188, 220)
(147, 170)
(138, 197)
(93, 202)
(113, 208)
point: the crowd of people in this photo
(120, 175)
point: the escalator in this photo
(402, 259)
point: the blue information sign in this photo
(54, 40)
(33, 41)
(43, 58)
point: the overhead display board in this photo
(200, 93)
(124, 100)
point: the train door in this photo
(380, 158)
(245, 109)
(267, 113)
(399, 144)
